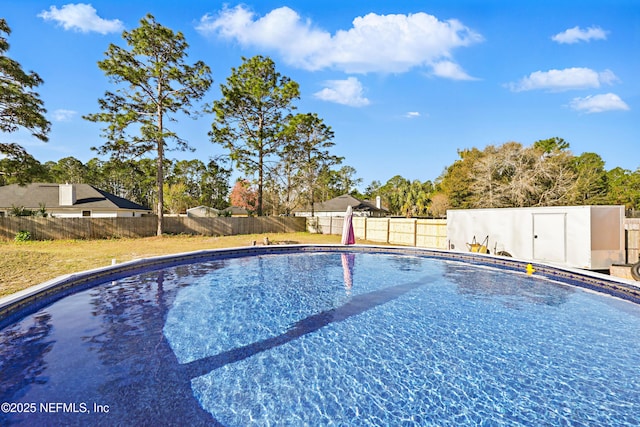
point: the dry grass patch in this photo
(30, 263)
(19, 268)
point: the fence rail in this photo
(426, 233)
(103, 228)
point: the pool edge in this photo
(51, 290)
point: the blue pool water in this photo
(325, 339)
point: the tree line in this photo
(254, 120)
(187, 183)
(287, 154)
(512, 175)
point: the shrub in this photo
(23, 236)
(42, 211)
(20, 211)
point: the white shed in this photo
(587, 237)
(202, 211)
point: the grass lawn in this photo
(30, 263)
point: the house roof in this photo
(31, 196)
(203, 208)
(233, 210)
(340, 203)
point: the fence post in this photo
(366, 218)
(388, 229)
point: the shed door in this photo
(549, 237)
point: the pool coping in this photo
(35, 297)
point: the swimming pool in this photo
(324, 338)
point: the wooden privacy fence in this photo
(103, 228)
(426, 233)
(632, 236)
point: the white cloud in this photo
(81, 17)
(346, 92)
(412, 115)
(562, 80)
(450, 70)
(577, 34)
(63, 115)
(374, 43)
(599, 103)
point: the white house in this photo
(68, 201)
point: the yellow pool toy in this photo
(530, 269)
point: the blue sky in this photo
(403, 84)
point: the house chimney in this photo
(378, 202)
(66, 195)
